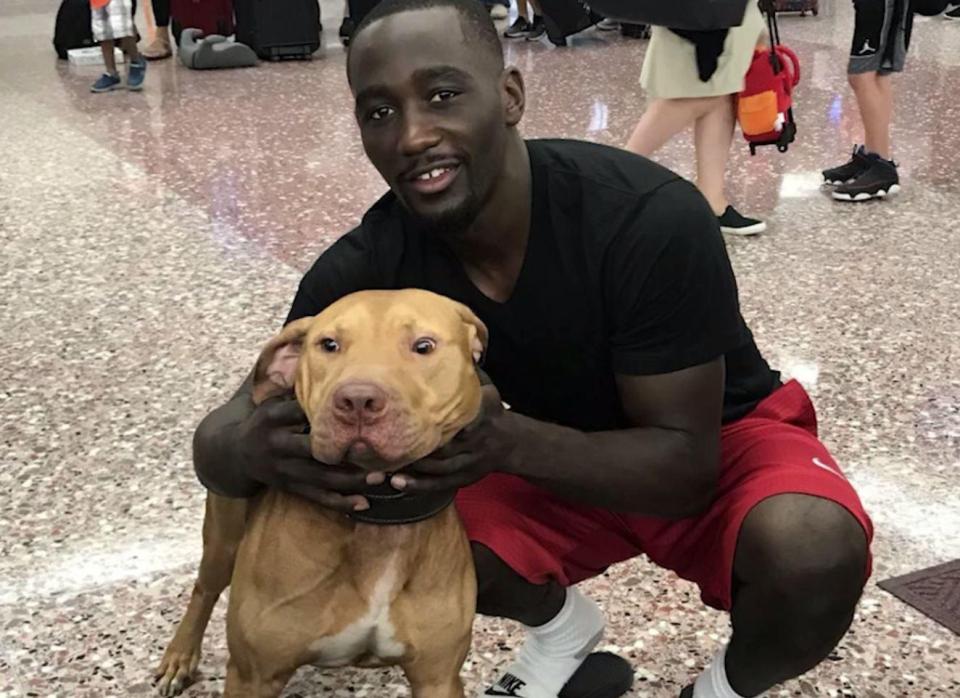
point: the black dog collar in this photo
(389, 506)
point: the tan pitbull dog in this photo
(385, 378)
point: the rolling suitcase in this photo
(801, 6)
(209, 16)
(279, 29)
(565, 18)
(72, 29)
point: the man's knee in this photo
(807, 549)
(862, 81)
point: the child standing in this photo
(881, 36)
(112, 20)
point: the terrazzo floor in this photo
(151, 242)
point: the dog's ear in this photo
(277, 365)
(476, 332)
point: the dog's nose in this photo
(359, 402)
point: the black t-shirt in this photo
(625, 272)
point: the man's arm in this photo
(214, 454)
(666, 465)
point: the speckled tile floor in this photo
(152, 241)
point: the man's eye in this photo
(329, 345)
(424, 345)
(380, 113)
(442, 96)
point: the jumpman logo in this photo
(867, 48)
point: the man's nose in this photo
(420, 133)
(359, 403)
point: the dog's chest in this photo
(370, 637)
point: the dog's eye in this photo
(424, 345)
(329, 345)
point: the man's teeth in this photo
(434, 173)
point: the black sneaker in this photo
(858, 164)
(734, 223)
(952, 12)
(878, 181)
(518, 30)
(537, 29)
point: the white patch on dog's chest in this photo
(371, 635)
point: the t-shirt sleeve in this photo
(670, 287)
(348, 265)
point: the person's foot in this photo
(733, 222)
(518, 30)
(608, 25)
(952, 12)
(602, 675)
(498, 12)
(159, 48)
(850, 170)
(878, 181)
(106, 83)
(537, 29)
(136, 74)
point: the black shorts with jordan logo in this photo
(881, 36)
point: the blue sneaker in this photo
(106, 83)
(136, 74)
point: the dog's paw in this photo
(176, 671)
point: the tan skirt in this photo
(670, 67)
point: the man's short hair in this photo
(478, 29)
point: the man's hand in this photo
(483, 446)
(274, 449)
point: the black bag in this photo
(279, 29)
(692, 15)
(72, 29)
(566, 17)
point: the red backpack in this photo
(765, 106)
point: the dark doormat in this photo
(934, 591)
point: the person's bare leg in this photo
(713, 134)
(522, 10)
(875, 101)
(662, 120)
(129, 45)
(109, 60)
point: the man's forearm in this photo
(647, 471)
(214, 456)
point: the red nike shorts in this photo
(773, 450)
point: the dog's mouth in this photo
(380, 448)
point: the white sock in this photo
(713, 683)
(554, 651)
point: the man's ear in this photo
(514, 95)
(277, 365)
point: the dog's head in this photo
(385, 377)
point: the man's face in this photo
(431, 112)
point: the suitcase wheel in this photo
(783, 147)
(753, 149)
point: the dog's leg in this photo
(223, 525)
(437, 674)
(247, 684)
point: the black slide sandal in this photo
(602, 675)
